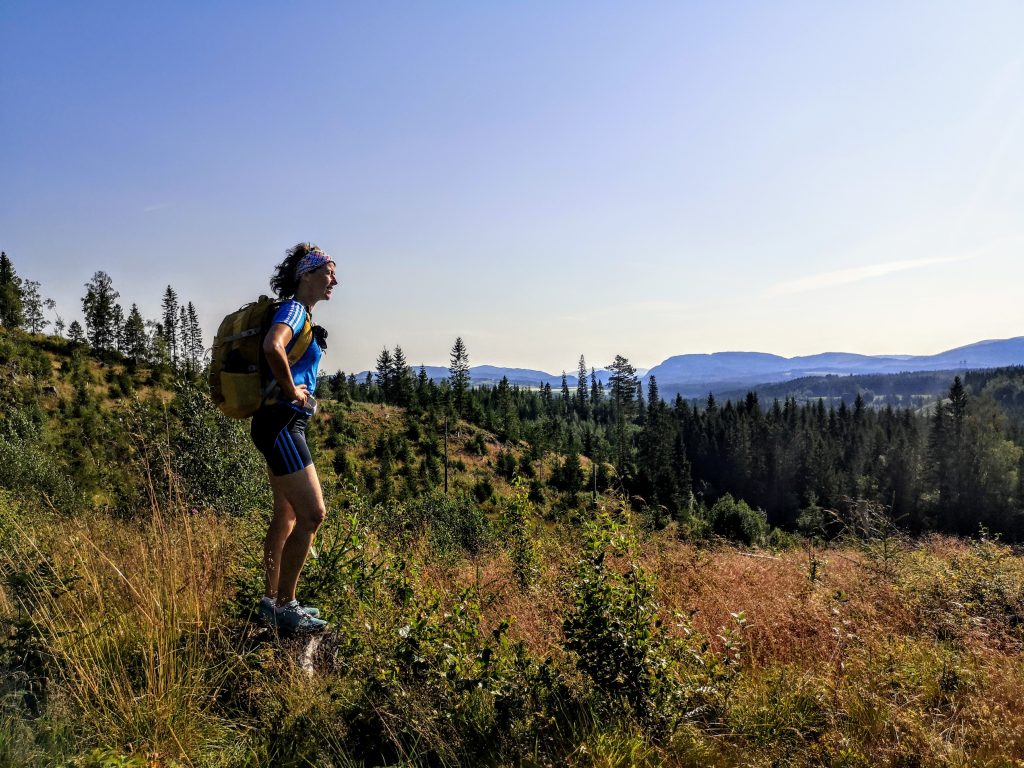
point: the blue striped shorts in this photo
(279, 431)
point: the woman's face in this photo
(322, 280)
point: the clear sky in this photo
(543, 179)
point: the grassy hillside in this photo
(505, 623)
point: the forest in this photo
(587, 576)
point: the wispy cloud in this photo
(156, 207)
(856, 274)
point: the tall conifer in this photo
(11, 312)
(98, 307)
(459, 370)
(169, 327)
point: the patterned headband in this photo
(315, 259)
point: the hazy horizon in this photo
(543, 181)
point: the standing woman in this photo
(305, 277)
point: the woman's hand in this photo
(275, 347)
(300, 394)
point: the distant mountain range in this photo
(697, 375)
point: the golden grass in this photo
(919, 665)
(130, 617)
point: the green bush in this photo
(477, 445)
(614, 630)
(737, 521)
(213, 456)
(482, 490)
(453, 524)
(519, 535)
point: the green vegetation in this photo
(609, 580)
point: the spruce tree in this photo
(11, 312)
(402, 381)
(169, 327)
(623, 383)
(135, 343)
(459, 370)
(98, 306)
(581, 388)
(507, 413)
(385, 374)
(195, 335)
(184, 342)
(422, 388)
(75, 333)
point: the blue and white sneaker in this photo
(267, 607)
(293, 620)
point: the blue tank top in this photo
(306, 368)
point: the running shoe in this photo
(293, 620)
(268, 606)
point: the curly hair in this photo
(284, 282)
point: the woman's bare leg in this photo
(281, 526)
(301, 490)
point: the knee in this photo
(313, 517)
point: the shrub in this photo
(613, 627)
(213, 456)
(482, 490)
(452, 524)
(737, 521)
(505, 464)
(477, 445)
(516, 514)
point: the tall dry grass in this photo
(129, 615)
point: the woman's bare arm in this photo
(275, 347)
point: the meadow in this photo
(489, 626)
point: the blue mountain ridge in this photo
(698, 374)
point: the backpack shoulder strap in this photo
(302, 339)
(302, 342)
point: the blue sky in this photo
(543, 179)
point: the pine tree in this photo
(75, 333)
(98, 306)
(422, 387)
(507, 413)
(134, 341)
(566, 397)
(117, 320)
(169, 327)
(11, 312)
(32, 305)
(385, 374)
(581, 388)
(184, 343)
(402, 380)
(195, 335)
(459, 370)
(623, 383)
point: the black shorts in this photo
(279, 431)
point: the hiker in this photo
(305, 277)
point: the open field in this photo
(129, 643)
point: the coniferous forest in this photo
(585, 575)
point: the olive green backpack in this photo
(238, 371)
